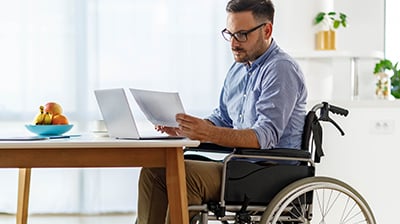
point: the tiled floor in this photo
(72, 219)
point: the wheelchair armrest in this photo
(282, 152)
(213, 148)
(210, 147)
(278, 152)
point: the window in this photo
(61, 50)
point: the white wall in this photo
(294, 29)
(328, 73)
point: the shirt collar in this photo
(263, 57)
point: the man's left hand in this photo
(193, 127)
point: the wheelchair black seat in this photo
(266, 179)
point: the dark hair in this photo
(261, 9)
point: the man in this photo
(262, 105)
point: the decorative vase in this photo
(326, 40)
(382, 85)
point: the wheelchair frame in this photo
(298, 201)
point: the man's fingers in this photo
(186, 120)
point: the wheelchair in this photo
(279, 185)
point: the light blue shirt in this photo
(269, 97)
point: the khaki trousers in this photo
(203, 181)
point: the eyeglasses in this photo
(240, 36)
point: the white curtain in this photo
(61, 50)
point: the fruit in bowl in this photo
(50, 120)
(50, 114)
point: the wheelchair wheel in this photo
(198, 220)
(321, 200)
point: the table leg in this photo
(24, 180)
(176, 186)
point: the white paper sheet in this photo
(160, 108)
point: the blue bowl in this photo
(49, 130)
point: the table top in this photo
(99, 152)
(83, 142)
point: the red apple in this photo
(53, 108)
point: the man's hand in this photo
(205, 131)
(189, 126)
(193, 127)
(169, 130)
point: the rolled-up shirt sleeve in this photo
(279, 92)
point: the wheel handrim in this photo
(329, 195)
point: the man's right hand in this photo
(171, 131)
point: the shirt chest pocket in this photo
(250, 102)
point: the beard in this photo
(242, 55)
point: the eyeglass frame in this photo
(241, 32)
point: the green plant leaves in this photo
(336, 24)
(320, 16)
(343, 19)
(335, 20)
(395, 86)
(383, 65)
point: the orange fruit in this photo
(59, 119)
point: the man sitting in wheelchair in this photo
(262, 105)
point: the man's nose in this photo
(234, 42)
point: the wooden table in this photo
(63, 153)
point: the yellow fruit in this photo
(48, 118)
(40, 117)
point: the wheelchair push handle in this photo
(338, 110)
(325, 108)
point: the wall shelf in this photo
(337, 55)
(354, 59)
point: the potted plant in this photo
(328, 22)
(382, 85)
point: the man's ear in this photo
(268, 30)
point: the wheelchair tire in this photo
(198, 220)
(333, 201)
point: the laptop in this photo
(118, 116)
